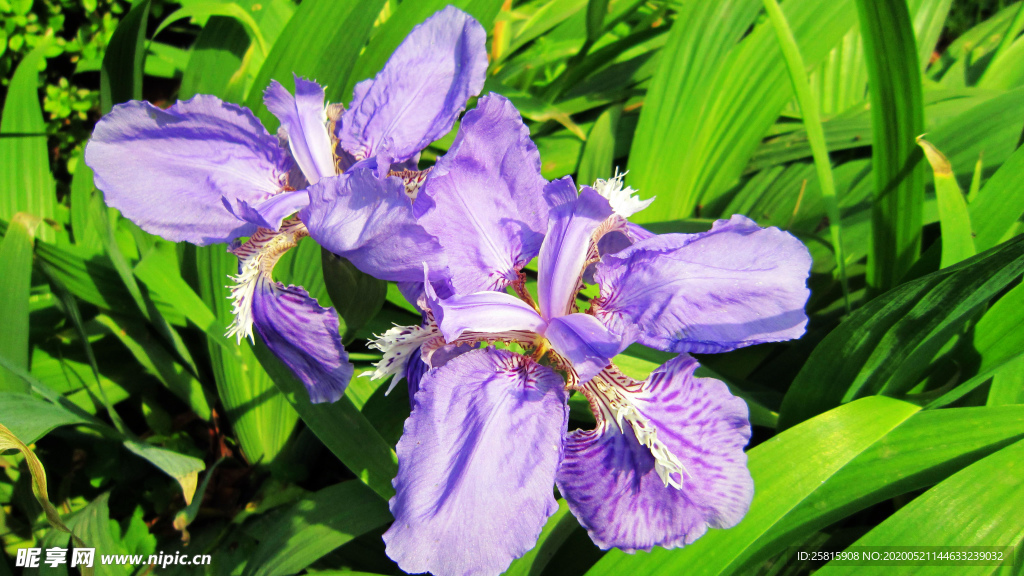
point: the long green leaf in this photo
(26, 184)
(999, 203)
(786, 470)
(888, 345)
(357, 296)
(207, 9)
(30, 418)
(315, 526)
(978, 506)
(957, 239)
(15, 285)
(598, 157)
(897, 117)
(815, 134)
(340, 426)
(121, 74)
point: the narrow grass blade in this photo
(957, 239)
(206, 9)
(897, 117)
(121, 73)
(815, 134)
(15, 284)
(598, 157)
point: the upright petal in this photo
(611, 482)
(585, 342)
(476, 464)
(484, 199)
(168, 170)
(487, 312)
(304, 335)
(370, 222)
(420, 92)
(304, 121)
(565, 249)
(733, 286)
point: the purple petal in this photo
(476, 464)
(270, 213)
(584, 341)
(610, 482)
(484, 199)
(304, 121)
(487, 312)
(370, 222)
(420, 92)
(733, 286)
(168, 170)
(565, 249)
(304, 335)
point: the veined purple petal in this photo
(733, 286)
(271, 212)
(420, 92)
(370, 222)
(304, 121)
(476, 464)
(487, 312)
(565, 248)
(609, 478)
(585, 342)
(304, 335)
(483, 199)
(168, 170)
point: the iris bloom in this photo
(206, 172)
(487, 437)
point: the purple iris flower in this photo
(487, 437)
(207, 171)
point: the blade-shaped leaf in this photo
(356, 296)
(121, 74)
(15, 284)
(957, 239)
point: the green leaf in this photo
(207, 9)
(357, 296)
(1008, 384)
(15, 285)
(185, 517)
(314, 526)
(957, 239)
(786, 470)
(558, 528)
(1000, 202)
(121, 74)
(262, 418)
(978, 506)
(184, 469)
(897, 117)
(815, 134)
(310, 48)
(340, 426)
(94, 524)
(598, 157)
(889, 344)
(31, 418)
(26, 184)
(83, 198)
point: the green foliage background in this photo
(897, 420)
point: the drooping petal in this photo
(610, 480)
(420, 92)
(733, 286)
(476, 465)
(584, 341)
(486, 312)
(168, 170)
(483, 199)
(565, 248)
(271, 212)
(370, 222)
(304, 335)
(304, 121)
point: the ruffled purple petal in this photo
(420, 92)
(476, 465)
(733, 286)
(370, 222)
(484, 200)
(585, 342)
(304, 335)
(488, 312)
(304, 121)
(565, 248)
(168, 170)
(609, 479)
(270, 213)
